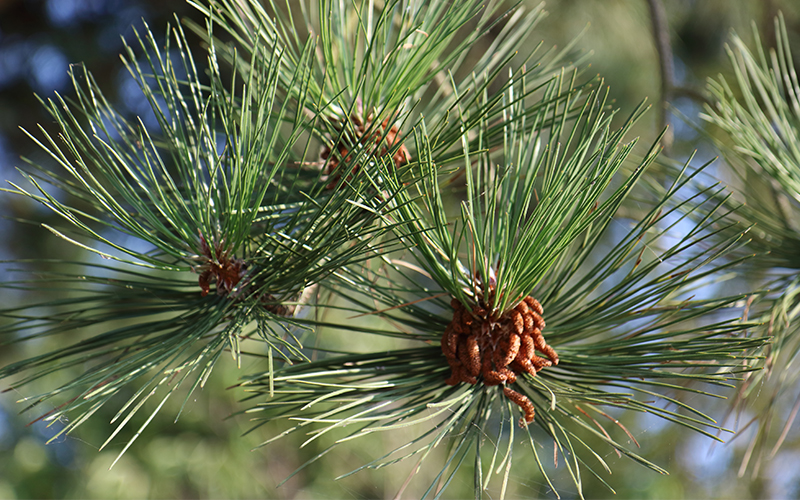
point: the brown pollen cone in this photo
(480, 347)
(228, 272)
(360, 136)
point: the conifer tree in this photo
(379, 167)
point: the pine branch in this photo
(759, 115)
(211, 200)
(628, 331)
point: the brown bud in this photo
(541, 346)
(491, 377)
(456, 323)
(507, 351)
(473, 353)
(527, 347)
(455, 375)
(449, 342)
(523, 402)
(517, 321)
(538, 320)
(203, 281)
(540, 363)
(534, 305)
(530, 324)
(511, 377)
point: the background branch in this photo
(658, 18)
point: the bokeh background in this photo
(205, 454)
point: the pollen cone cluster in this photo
(362, 133)
(219, 267)
(230, 276)
(480, 346)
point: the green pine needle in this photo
(217, 195)
(628, 328)
(759, 115)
